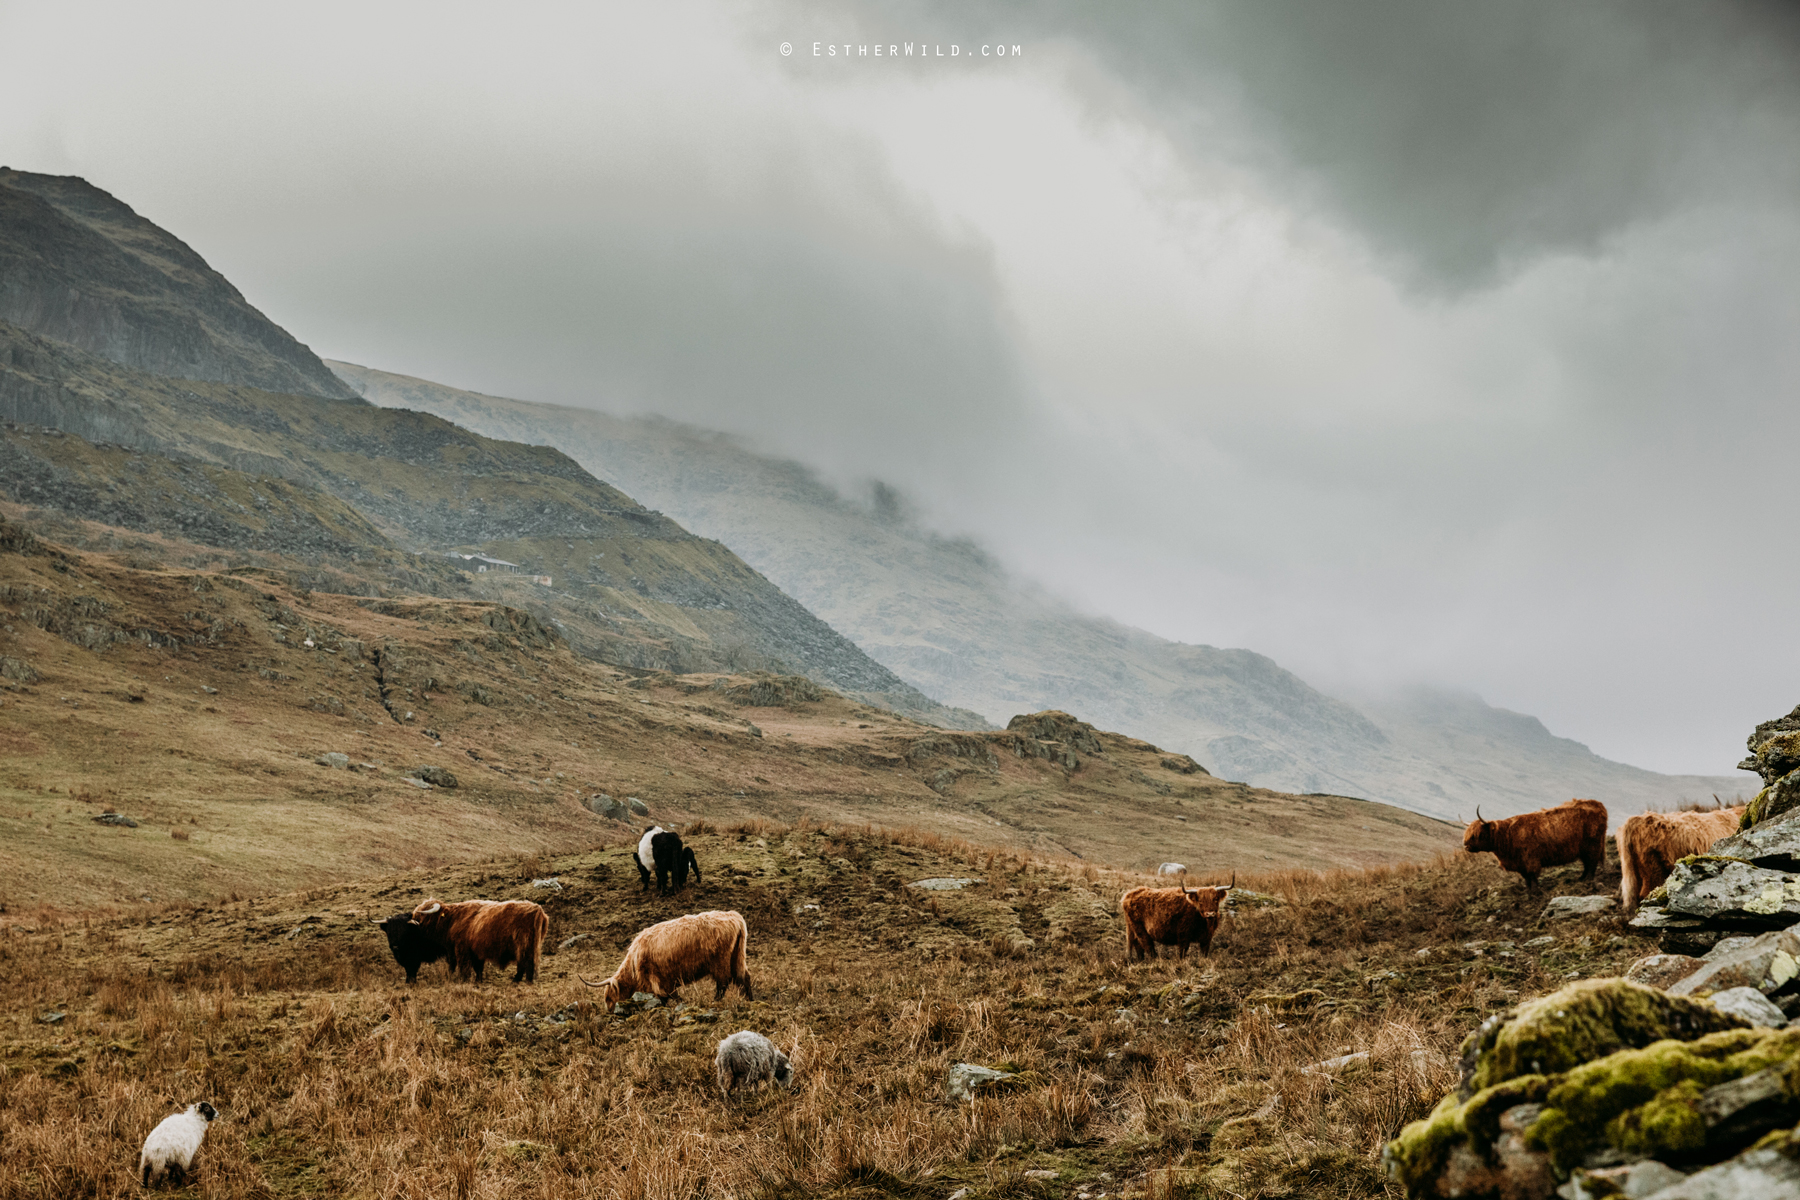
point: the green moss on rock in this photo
(1580, 1023)
(1417, 1156)
(1642, 1101)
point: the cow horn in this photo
(1478, 819)
(583, 979)
(1233, 882)
(435, 906)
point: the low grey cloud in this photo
(1462, 140)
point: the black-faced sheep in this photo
(172, 1145)
(749, 1058)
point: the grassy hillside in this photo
(1328, 1015)
(631, 584)
(189, 700)
(946, 616)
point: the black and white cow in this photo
(661, 851)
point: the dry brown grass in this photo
(333, 1078)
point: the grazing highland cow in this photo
(413, 947)
(172, 1145)
(672, 954)
(478, 932)
(660, 850)
(1549, 837)
(749, 1058)
(1172, 917)
(1650, 844)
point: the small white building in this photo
(483, 562)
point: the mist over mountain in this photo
(944, 615)
(117, 321)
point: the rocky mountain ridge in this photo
(943, 613)
(80, 266)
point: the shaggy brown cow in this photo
(672, 954)
(1172, 917)
(1549, 837)
(482, 931)
(1650, 844)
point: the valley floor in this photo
(1328, 1015)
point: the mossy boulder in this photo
(1524, 1057)
(1645, 1103)
(1578, 1024)
(1781, 796)
(1777, 755)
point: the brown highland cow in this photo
(672, 954)
(1650, 844)
(1175, 917)
(477, 932)
(1549, 837)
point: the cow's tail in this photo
(740, 957)
(1628, 865)
(540, 928)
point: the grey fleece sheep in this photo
(747, 1057)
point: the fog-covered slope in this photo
(947, 618)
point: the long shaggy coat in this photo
(1650, 844)
(672, 954)
(1177, 917)
(478, 932)
(1549, 837)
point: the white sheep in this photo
(172, 1145)
(747, 1057)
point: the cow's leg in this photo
(643, 874)
(480, 968)
(1531, 884)
(1589, 867)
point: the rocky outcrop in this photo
(1618, 1087)
(79, 266)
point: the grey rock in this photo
(645, 1000)
(1739, 1109)
(1766, 963)
(965, 1079)
(570, 941)
(436, 776)
(334, 760)
(1538, 943)
(1632, 1181)
(552, 884)
(1711, 888)
(53, 1018)
(944, 884)
(17, 670)
(1726, 946)
(1663, 970)
(1656, 919)
(1764, 1174)
(1773, 843)
(637, 806)
(119, 819)
(1751, 1005)
(1577, 906)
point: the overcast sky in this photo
(1452, 343)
